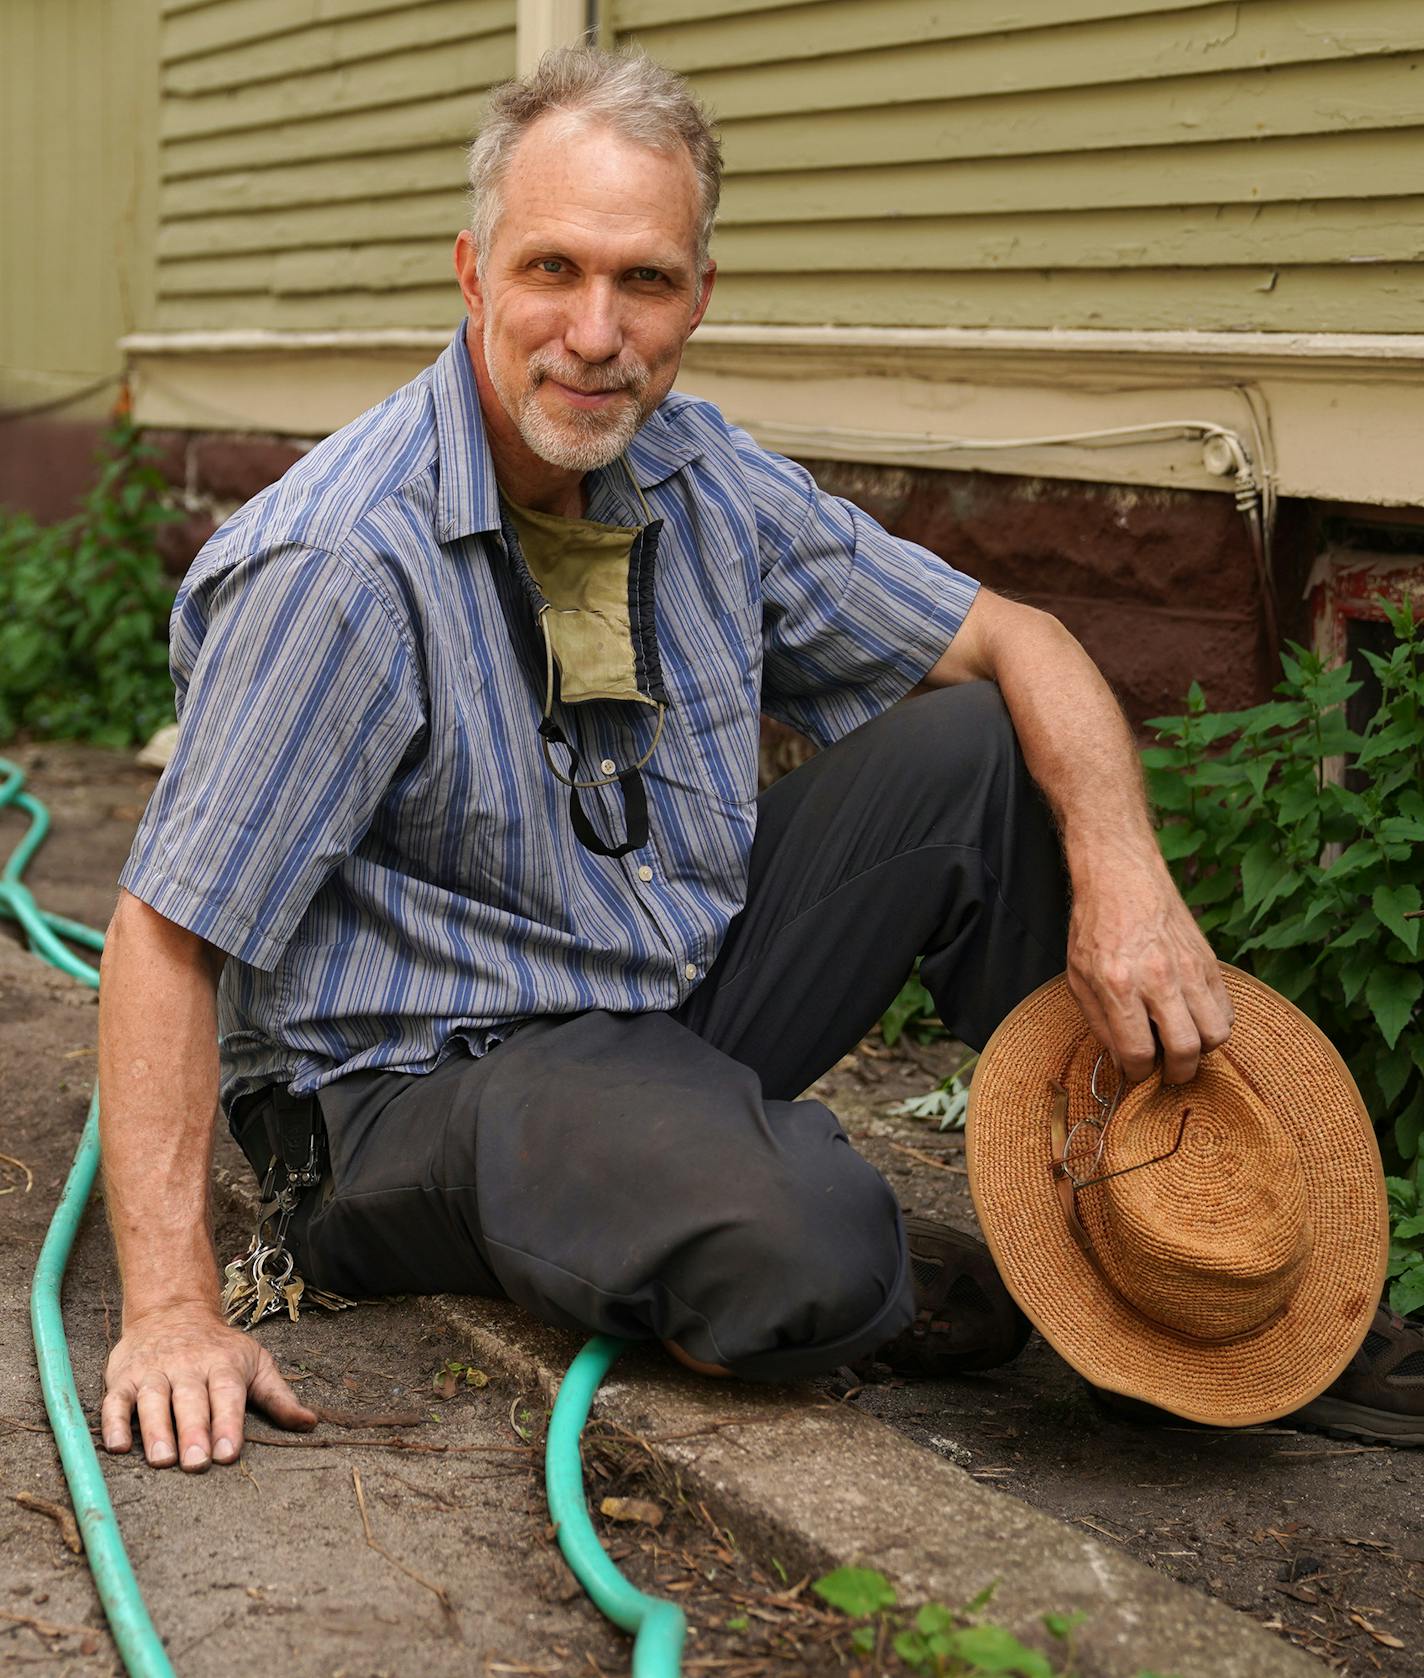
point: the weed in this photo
(913, 1011)
(1314, 883)
(939, 1642)
(84, 609)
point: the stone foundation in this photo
(1161, 586)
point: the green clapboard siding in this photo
(77, 96)
(1075, 163)
(310, 169)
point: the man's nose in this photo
(594, 331)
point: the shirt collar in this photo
(469, 494)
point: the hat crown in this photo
(1212, 1240)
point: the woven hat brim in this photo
(1299, 1076)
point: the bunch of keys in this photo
(263, 1280)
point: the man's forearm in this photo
(1141, 971)
(158, 1089)
(1078, 749)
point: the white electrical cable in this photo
(1224, 454)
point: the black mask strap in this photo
(635, 802)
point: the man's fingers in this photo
(1211, 1010)
(1130, 1035)
(1092, 1011)
(115, 1414)
(155, 1420)
(274, 1396)
(227, 1399)
(1181, 1041)
(190, 1411)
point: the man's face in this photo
(589, 289)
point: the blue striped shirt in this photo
(358, 810)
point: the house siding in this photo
(76, 205)
(309, 160)
(1071, 163)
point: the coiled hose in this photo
(659, 1627)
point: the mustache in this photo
(630, 374)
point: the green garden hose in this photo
(140, 1646)
(659, 1626)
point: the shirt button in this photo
(608, 766)
(645, 873)
(690, 970)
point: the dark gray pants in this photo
(652, 1175)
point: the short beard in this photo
(584, 440)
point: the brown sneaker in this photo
(965, 1318)
(1381, 1394)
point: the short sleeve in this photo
(853, 617)
(298, 697)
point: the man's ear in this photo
(467, 272)
(709, 279)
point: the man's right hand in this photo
(183, 1365)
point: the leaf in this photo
(1407, 1293)
(1402, 829)
(641, 1510)
(933, 1617)
(1391, 993)
(992, 1649)
(856, 1591)
(1364, 853)
(910, 1647)
(862, 1638)
(1391, 904)
(1261, 871)
(980, 1600)
(1179, 840)
(1062, 1626)
(1363, 926)
(1408, 1127)
(1403, 1196)
(1392, 1072)
(1214, 888)
(1356, 968)
(914, 1002)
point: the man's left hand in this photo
(1137, 964)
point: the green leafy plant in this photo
(84, 609)
(912, 1011)
(940, 1642)
(1314, 881)
(948, 1101)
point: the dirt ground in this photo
(274, 1565)
(1322, 1540)
(1319, 1539)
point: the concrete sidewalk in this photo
(817, 1485)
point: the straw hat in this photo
(1223, 1250)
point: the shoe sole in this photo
(1359, 1421)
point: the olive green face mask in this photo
(591, 588)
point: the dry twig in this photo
(437, 1591)
(928, 1159)
(19, 1164)
(45, 1628)
(63, 1518)
(383, 1445)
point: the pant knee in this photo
(808, 1275)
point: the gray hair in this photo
(634, 96)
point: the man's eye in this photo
(647, 273)
(551, 265)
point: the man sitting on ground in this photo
(461, 859)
